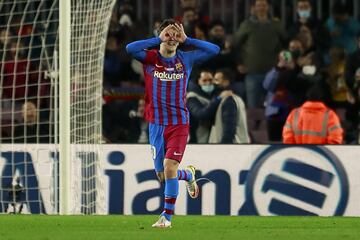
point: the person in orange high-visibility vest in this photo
(313, 122)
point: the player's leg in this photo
(156, 139)
(171, 192)
(176, 140)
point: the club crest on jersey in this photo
(165, 76)
(179, 67)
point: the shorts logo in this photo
(177, 153)
(282, 182)
(153, 152)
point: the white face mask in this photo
(125, 20)
(208, 88)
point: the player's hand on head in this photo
(166, 34)
(180, 35)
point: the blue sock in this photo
(184, 175)
(171, 193)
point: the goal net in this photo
(29, 105)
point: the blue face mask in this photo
(208, 88)
(304, 13)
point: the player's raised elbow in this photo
(129, 48)
(215, 49)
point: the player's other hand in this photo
(180, 33)
(166, 35)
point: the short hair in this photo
(217, 22)
(201, 70)
(253, 2)
(228, 74)
(315, 93)
(187, 9)
(309, 1)
(166, 23)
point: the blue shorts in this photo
(167, 142)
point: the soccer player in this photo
(167, 72)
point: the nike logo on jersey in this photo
(177, 154)
(158, 66)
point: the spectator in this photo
(313, 122)
(306, 18)
(18, 83)
(32, 129)
(130, 30)
(343, 28)
(281, 84)
(201, 31)
(336, 76)
(189, 3)
(5, 36)
(112, 62)
(352, 65)
(194, 4)
(353, 112)
(217, 35)
(114, 25)
(120, 124)
(312, 55)
(259, 40)
(138, 116)
(230, 124)
(202, 104)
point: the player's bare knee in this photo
(170, 168)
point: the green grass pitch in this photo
(26, 227)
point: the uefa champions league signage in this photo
(237, 180)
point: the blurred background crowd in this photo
(270, 59)
(272, 54)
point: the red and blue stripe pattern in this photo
(166, 80)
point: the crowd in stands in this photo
(263, 72)
(25, 91)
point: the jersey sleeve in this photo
(137, 49)
(204, 51)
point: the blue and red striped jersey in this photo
(166, 79)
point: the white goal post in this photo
(51, 74)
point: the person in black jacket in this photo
(202, 103)
(306, 19)
(352, 65)
(230, 124)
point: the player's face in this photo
(172, 44)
